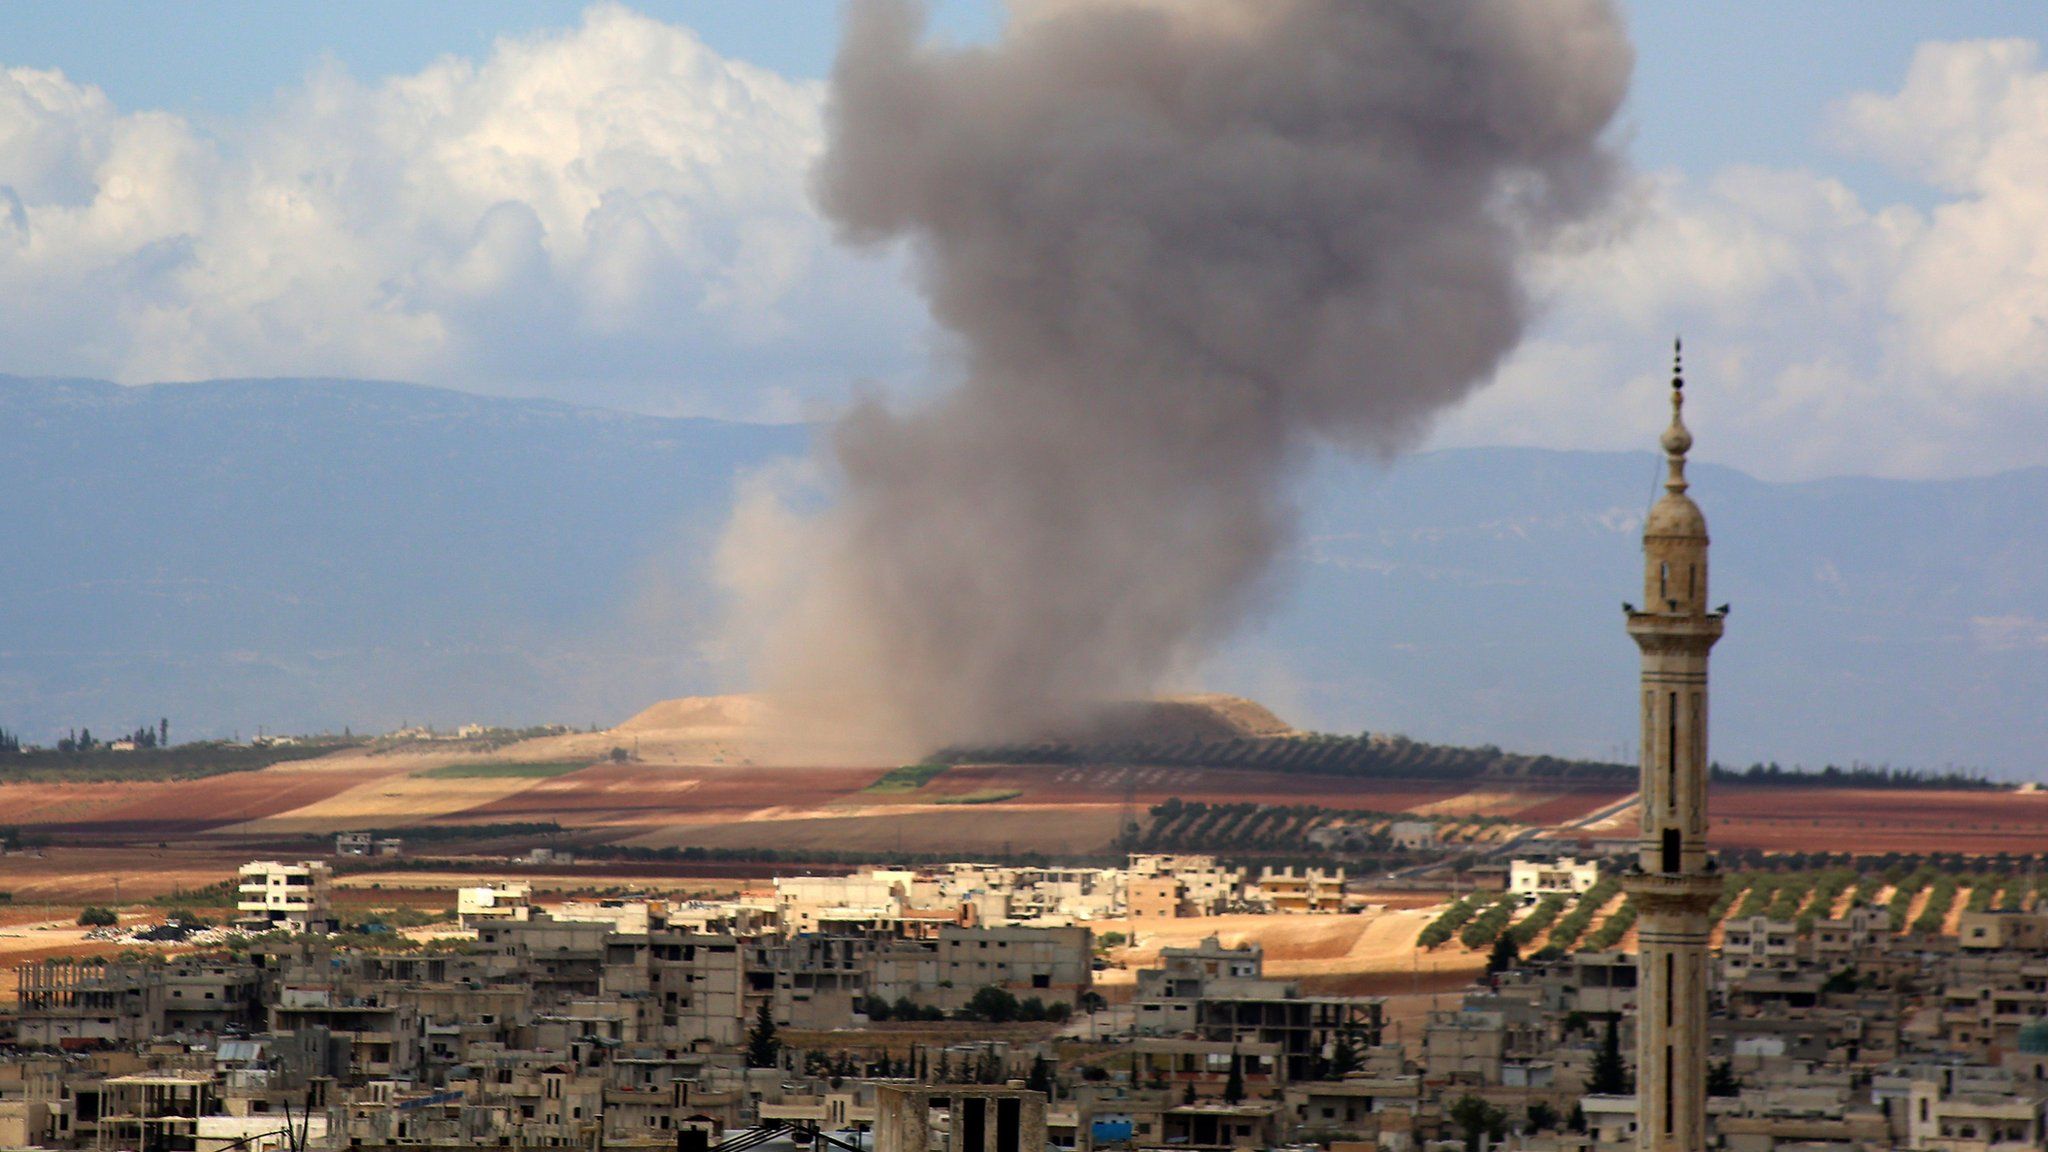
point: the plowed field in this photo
(1871, 820)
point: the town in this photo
(810, 1007)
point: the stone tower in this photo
(1673, 885)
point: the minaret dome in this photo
(1675, 531)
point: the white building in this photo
(1565, 877)
(496, 901)
(1412, 834)
(293, 897)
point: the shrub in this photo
(993, 1004)
(96, 917)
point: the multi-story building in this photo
(294, 897)
(496, 901)
(65, 1003)
(1050, 964)
(2003, 931)
(1298, 890)
(1562, 877)
(1758, 944)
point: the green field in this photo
(908, 778)
(500, 771)
(985, 796)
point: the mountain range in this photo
(299, 555)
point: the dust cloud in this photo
(1179, 245)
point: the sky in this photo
(1842, 205)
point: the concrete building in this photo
(68, 1002)
(1051, 964)
(1413, 834)
(2004, 931)
(1291, 889)
(1158, 898)
(293, 897)
(1672, 884)
(1205, 887)
(1757, 945)
(970, 1118)
(1564, 877)
(1856, 933)
(497, 901)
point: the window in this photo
(1671, 756)
(1670, 1119)
(1671, 850)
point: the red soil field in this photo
(633, 794)
(132, 808)
(1878, 820)
(1055, 784)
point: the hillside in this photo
(310, 554)
(306, 555)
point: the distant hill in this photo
(307, 554)
(1474, 597)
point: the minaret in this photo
(1673, 884)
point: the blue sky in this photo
(1727, 82)
(1832, 200)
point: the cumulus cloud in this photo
(613, 213)
(1827, 334)
(609, 212)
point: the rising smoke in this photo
(1180, 243)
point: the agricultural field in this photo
(1800, 819)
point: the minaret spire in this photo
(1673, 883)
(1677, 439)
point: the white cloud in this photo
(1826, 335)
(611, 212)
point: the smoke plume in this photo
(1180, 242)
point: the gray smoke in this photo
(1180, 243)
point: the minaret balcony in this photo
(1684, 629)
(1668, 889)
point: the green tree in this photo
(95, 917)
(1478, 1120)
(875, 1008)
(1542, 1117)
(1610, 1075)
(1721, 1079)
(1344, 1054)
(993, 1004)
(764, 1046)
(1233, 1087)
(1505, 954)
(1040, 1079)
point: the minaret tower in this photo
(1673, 884)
